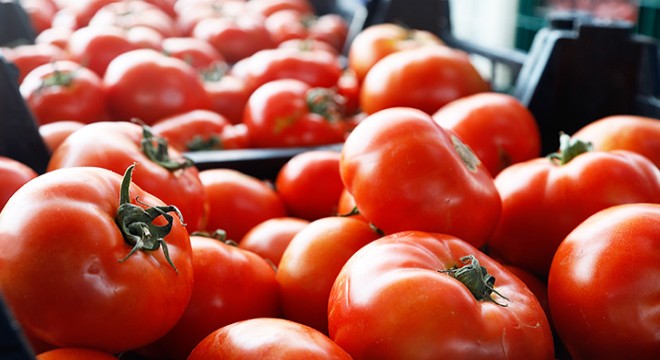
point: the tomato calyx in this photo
(470, 160)
(476, 278)
(569, 148)
(58, 78)
(218, 234)
(156, 149)
(136, 223)
(326, 103)
(199, 144)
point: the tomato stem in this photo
(156, 149)
(326, 103)
(569, 148)
(219, 235)
(199, 144)
(136, 223)
(476, 278)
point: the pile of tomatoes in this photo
(439, 230)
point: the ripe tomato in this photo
(289, 113)
(73, 353)
(238, 202)
(312, 261)
(424, 78)
(230, 285)
(267, 338)
(196, 52)
(55, 36)
(286, 24)
(13, 175)
(310, 185)
(228, 95)
(77, 14)
(40, 13)
(149, 85)
(329, 28)
(270, 237)
(163, 172)
(96, 46)
(91, 260)
(379, 40)
(497, 127)
(625, 132)
(192, 130)
(129, 14)
(64, 90)
(405, 172)
(268, 7)
(53, 134)
(27, 57)
(416, 295)
(544, 199)
(603, 286)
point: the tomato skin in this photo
(393, 288)
(27, 57)
(64, 90)
(624, 132)
(238, 202)
(405, 173)
(115, 146)
(497, 127)
(310, 184)
(228, 96)
(60, 259)
(148, 85)
(196, 52)
(183, 130)
(96, 46)
(53, 134)
(267, 338)
(312, 261)
(130, 14)
(603, 289)
(72, 353)
(14, 174)
(230, 284)
(424, 78)
(543, 201)
(270, 238)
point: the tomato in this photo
(235, 136)
(405, 172)
(54, 36)
(379, 40)
(285, 25)
(14, 174)
(27, 57)
(424, 78)
(73, 353)
(64, 90)
(235, 37)
(161, 171)
(53, 134)
(238, 201)
(312, 261)
(193, 130)
(314, 67)
(40, 12)
(143, 37)
(310, 184)
(96, 46)
(434, 296)
(228, 95)
(270, 237)
(289, 113)
(497, 127)
(348, 86)
(330, 28)
(625, 132)
(268, 7)
(77, 14)
(149, 85)
(90, 260)
(267, 338)
(128, 14)
(603, 286)
(544, 199)
(196, 52)
(230, 285)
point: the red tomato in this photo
(235, 37)
(308, 44)
(330, 28)
(238, 202)
(289, 113)
(110, 265)
(348, 86)
(405, 172)
(193, 130)
(424, 78)
(285, 25)
(129, 14)
(96, 46)
(497, 127)
(77, 14)
(40, 12)
(310, 185)
(64, 90)
(544, 199)
(603, 286)
(73, 353)
(30, 56)
(347, 208)
(379, 40)
(267, 338)
(235, 137)
(268, 7)
(470, 306)
(143, 37)
(163, 172)
(196, 52)
(624, 132)
(230, 285)
(14, 174)
(55, 36)
(312, 261)
(270, 237)
(53, 134)
(149, 85)
(228, 95)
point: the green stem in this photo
(326, 103)
(476, 278)
(156, 149)
(569, 148)
(136, 223)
